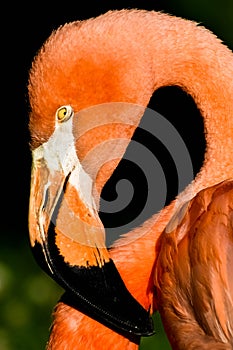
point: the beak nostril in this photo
(66, 182)
(46, 199)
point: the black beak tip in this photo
(99, 292)
(146, 329)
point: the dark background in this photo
(26, 294)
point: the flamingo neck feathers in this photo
(193, 58)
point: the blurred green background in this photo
(27, 295)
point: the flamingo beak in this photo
(68, 238)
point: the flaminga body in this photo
(88, 87)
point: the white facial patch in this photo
(59, 155)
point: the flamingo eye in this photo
(64, 113)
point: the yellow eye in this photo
(64, 113)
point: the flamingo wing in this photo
(194, 273)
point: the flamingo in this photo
(88, 86)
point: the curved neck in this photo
(194, 59)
